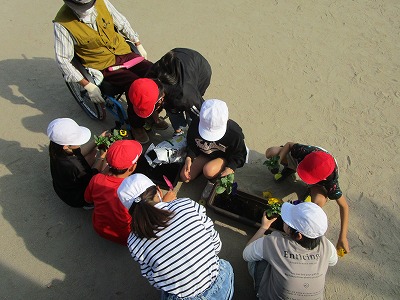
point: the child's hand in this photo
(343, 244)
(169, 196)
(103, 153)
(226, 172)
(265, 222)
(186, 168)
(105, 133)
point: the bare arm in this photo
(265, 224)
(344, 223)
(285, 150)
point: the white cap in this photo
(307, 218)
(132, 188)
(79, 4)
(214, 117)
(65, 131)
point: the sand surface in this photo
(318, 72)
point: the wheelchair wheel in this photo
(93, 110)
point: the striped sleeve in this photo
(122, 23)
(64, 52)
(209, 225)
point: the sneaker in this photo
(178, 133)
(286, 172)
(207, 191)
(160, 125)
(88, 206)
(140, 135)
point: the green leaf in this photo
(220, 189)
(224, 181)
(231, 177)
(229, 189)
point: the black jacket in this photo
(195, 78)
(71, 175)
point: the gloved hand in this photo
(94, 93)
(142, 51)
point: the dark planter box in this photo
(245, 208)
(172, 172)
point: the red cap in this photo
(143, 94)
(123, 153)
(315, 167)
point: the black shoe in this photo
(304, 196)
(286, 172)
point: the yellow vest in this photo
(96, 49)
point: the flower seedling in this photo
(273, 164)
(274, 209)
(225, 184)
(274, 205)
(104, 142)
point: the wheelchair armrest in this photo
(78, 65)
(133, 47)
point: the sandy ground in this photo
(318, 72)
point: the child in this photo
(215, 143)
(72, 167)
(317, 168)
(291, 265)
(111, 219)
(175, 243)
(179, 81)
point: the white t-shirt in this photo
(293, 272)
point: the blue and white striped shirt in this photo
(183, 259)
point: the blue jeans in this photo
(256, 270)
(220, 289)
(179, 120)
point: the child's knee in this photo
(270, 152)
(210, 171)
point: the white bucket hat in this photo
(307, 218)
(132, 187)
(79, 5)
(214, 117)
(65, 131)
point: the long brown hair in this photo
(147, 220)
(56, 150)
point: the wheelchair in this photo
(111, 95)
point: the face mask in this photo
(159, 197)
(85, 15)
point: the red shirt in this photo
(111, 219)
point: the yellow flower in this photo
(341, 252)
(267, 194)
(272, 201)
(123, 132)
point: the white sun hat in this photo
(214, 117)
(65, 131)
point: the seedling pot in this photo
(242, 207)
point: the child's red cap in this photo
(143, 94)
(315, 167)
(123, 154)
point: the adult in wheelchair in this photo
(111, 94)
(92, 53)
